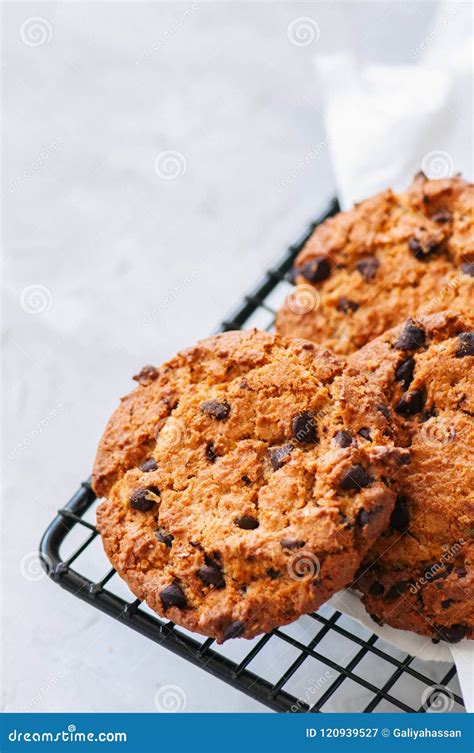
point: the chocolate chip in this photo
(272, 573)
(422, 251)
(247, 481)
(404, 372)
(446, 603)
(443, 215)
(316, 270)
(211, 575)
(365, 433)
(466, 345)
(147, 375)
(461, 572)
(141, 499)
(400, 519)
(365, 516)
(292, 544)
(397, 589)
(452, 634)
(164, 537)
(234, 630)
(279, 455)
(345, 305)
(468, 268)
(384, 410)
(217, 409)
(368, 267)
(376, 589)
(411, 403)
(376, 619)
(343, 438)
(355, 478)
(411, 338)
(304, 427)
(173, 596)
(247, 522)
(149, 465)
(210, 452)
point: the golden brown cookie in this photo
(386, 259)
(245, 481)
(420, 573)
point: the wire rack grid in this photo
(323, 662)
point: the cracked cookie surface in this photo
(389, 257)
(419, 575)
(245, 480)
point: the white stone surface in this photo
(113, 244)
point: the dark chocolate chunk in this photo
(247, 522)
(404, 372)
(234, 630)
(452, 634)
(466, 345)
(163, 536)
(411, 338)
(442, 215)
(247, 481)
(400, 519)
(316, 270)
(210, 452)
(355, 478)
(461, 572)
(376, 589)
(292, 544)
(397, 589)
(211, 575)
(218, 409)
(143, 499)
(279, 455)
(345, 305)
(446, 603)
(411, 403)
(384, 410)
(304, 427)
(422, 251)
(365, 433)
(149, 465)
(376, 619)
(468, 268)
(343, 438)
(147, 375)
(368, 267)
(173, 596)
(272, 573)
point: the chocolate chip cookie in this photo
(388, 258)
(245, 480)
(420, 573)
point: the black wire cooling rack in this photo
(323, 662)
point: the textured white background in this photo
(114, 244)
